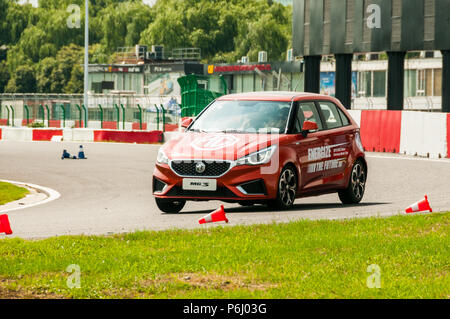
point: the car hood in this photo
(217, 146)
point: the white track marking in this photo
(51, 193)
(403, 157)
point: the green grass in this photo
(304, 259)
(9, 193)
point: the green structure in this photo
(198, 91)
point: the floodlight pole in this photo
(86, 57)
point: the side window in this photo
(344, 118)
(306, 112)
(330, 114)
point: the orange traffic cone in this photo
(216, 216)
(420, 206)
(4, 225)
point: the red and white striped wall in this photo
(80, 135)
(405, 132)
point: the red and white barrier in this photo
(424, 134)
(80, 135)
(45, 135)
(405, 132)
(17, 134)
(128, 137)
(380, 130)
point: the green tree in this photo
(62, 74)
(4, 76)
(262, 35)
(121, 24)
(75, 84)
(44, 75)
(14, 19)
(168, 28)
(224, 30)
(31, 41)
(22, 81)
(98, 53)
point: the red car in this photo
(262, 147)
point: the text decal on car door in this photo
(324, 152)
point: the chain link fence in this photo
(108, 111)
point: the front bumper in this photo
(240, 183)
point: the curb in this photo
(51, 195)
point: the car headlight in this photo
(162, 158)
(257, 158)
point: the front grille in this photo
(187, 168)
(220, 192)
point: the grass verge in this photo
(304, 259)
(10, 193)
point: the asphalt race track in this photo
(110, 192)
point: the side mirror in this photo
(186, 121)
(309, 126)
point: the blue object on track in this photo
(65, 155)
(81, 153)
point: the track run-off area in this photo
(110, 191)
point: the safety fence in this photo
(105, 111)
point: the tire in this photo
(170, 206)
(354, 193)
(287, 189)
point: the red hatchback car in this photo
(262, 147)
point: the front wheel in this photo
(353, 194)
(287, 189)
(170, 206)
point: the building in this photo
(157, 79)
(141, 72)
(260, 76)
(395, 28)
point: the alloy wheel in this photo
(358, 181)
(287, 187)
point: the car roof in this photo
(273, 96)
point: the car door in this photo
(309, 148)
(338, 140)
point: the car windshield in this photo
(244, 117)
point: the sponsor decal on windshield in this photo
(214, 142)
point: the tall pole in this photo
(86, 57)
